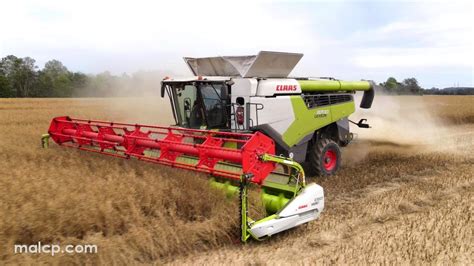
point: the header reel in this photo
(240, 158)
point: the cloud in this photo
(351, 39)
(134, 27)
(438, 36)
(413, 58)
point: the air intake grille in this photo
(340, 98)
(313, 101)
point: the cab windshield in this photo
(199, 104)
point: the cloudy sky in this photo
(429, 40)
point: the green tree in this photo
(58, 77)
(20, 73)
(44, 85)
(27, 76)
(5, 90)
(55, 68)
(79, 82)
(8, 67)
(411, 86)
(391, 85)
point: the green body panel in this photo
(339, 111)
(274, 203)
(274, 194)
(333, 85)
(229, 189)
(307, 121)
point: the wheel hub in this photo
(329, 160)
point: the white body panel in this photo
(244, 87)
(307, 206)
(310, 199)
(277, 112)
(270, 87)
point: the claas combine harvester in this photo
(237, 119)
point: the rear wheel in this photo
(324, 157)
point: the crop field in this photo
(403, 195)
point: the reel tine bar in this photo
(192, 149)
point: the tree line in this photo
(410, 86)
(21, 77)
(407, 86)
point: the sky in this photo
(352, 40)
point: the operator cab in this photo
(199, 104)
(204, 102)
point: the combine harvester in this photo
(238, 118)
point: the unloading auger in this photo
(235, 160)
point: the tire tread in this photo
(315, 154)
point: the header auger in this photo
(236, 120)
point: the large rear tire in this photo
(324, 157)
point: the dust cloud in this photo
(408, 124)
(133, 99)
(401, 120)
